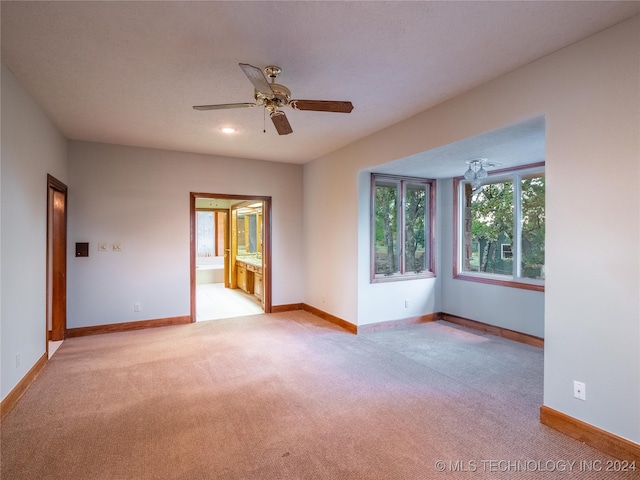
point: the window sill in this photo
(503, 282)
(399, 278)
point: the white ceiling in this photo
(129, 72)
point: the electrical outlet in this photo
(136, 307)
(406, 303)
(579, 390)
(17, 360)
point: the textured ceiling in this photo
(129, 72)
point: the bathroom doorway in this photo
(230, 259)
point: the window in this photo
(502, 228)
(210, 227)
(206, 234)
(402, 227)
(506, 252)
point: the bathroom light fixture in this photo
(228, 130)
(476, 172)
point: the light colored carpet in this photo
(288, 396)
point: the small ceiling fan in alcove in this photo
(274, 96)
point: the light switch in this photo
(117, 246)
(103, 247)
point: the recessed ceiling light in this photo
(228, 130)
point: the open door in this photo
(56, 259)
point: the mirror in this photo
(249, 230)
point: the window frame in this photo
(218, 241)
(430, 222)
(515, 175)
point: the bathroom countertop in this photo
(251, 260)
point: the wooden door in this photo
(57, 262)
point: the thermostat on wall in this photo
(82, 249)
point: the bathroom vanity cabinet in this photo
(244, 277)
(249, 277)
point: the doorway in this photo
(56, 263)
(230, 255)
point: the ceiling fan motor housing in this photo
(278, 98)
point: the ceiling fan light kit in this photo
(274, 96)
(476, 171)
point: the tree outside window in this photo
(491, 210)
(402, 210)
(533, 227)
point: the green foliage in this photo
(386, 224)
(492, 218)
(533, 226)
(415, 208)
(492, 211)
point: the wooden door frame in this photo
(56, 305)
(266, 253)
(225, 245)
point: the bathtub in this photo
(210, 273)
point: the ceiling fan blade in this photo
(224, 106)
(321, 105)
(255, 76)
(281, 123)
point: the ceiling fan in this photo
(273, 96)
